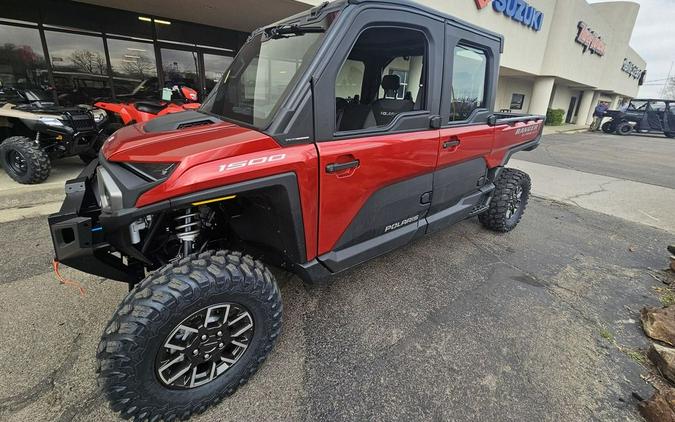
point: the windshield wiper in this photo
(282, 31)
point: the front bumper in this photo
(78, 235)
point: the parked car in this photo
(643, 116)
(34, 131)
(308, 167)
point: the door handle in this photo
(450, 144)
(335, 167)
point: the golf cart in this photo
(643, 116)
(34, 131)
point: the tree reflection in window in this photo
(80, 69)
(22, 63)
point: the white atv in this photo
(34, 131)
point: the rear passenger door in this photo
(374, 101)
(465, 139)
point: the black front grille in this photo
(82, 122)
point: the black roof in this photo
(408, 4)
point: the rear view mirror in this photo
(492, 120)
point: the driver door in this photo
(377, 150)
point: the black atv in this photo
(34, 131)
(643, 116)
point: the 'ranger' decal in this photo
(251, 162)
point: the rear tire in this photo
(509, 200)
(24, 161)
(669, 134)
(608, 127)
(169, 308)
(624, 129)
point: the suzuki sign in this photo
(518, 10)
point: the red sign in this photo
(482, 3)
(590, 40)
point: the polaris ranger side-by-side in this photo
(643, 116)
(335, 136)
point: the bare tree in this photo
(141, 67)
(668, 91)
(89, 62)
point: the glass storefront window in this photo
(134, 69)
(80, 68)
(214, 67)
(22, 61)
(180, 68)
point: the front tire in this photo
(24, 161)
(608, 127)
(196, 309)
(509, 200)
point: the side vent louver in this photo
(193, 124)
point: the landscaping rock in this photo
(664, 359)
(660, 408)
(659, 324)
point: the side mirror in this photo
(492, 120)
(435, 122)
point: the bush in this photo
(555, 117)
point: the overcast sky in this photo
(653, 40)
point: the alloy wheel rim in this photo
(516, 201)
(17, 162)
(204, 346)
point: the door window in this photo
(469, 73)
(658, 106)
(382, 77)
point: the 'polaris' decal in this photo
(251, 162)
(401, 223)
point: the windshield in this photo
(252, 89)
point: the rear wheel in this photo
(24, 161)
(509, 200)
(670, 134)
(608, 127)
(189, 335)
(624, 128)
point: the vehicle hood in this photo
(166, 139)
(34, 111)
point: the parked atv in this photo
(315, 169)
(643, 116)
(128, 111)
(34, 131)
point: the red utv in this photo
(334, 137)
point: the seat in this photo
(152, 107)
(384, 110)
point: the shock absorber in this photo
(187, 229)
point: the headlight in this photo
(99, 115)
(153, 171)
(51, 121)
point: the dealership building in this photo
(560, 54)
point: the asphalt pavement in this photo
(465, 325)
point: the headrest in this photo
(391, 82)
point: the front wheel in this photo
(509, 200)
(608, 127)
(24, 161)
(189, 335)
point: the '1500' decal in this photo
(251, 162)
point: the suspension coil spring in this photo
(188, 226)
